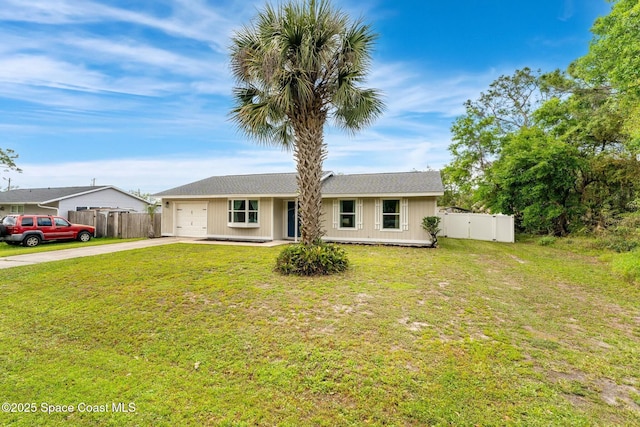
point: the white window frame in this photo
(16, 209)
(357, 214)
(247, 211)
(403, 215)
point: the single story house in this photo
(363, 208)
(60, 200)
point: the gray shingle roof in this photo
(285, 184)
(384, 183)
(39, 195)
(276, 183)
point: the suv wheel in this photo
(3, 230)
(84, 236)
(31, 241)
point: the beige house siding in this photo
(279, 219)
(167, 227)
(368, 228)
(218, 226)
(217, 217)
(273, 220)
(28, 209)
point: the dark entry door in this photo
(291, 220)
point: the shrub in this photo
(623, 235)
(617, 243)
(627, 265)
(316, 259)
(547, 240)
(430, 225)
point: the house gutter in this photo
(48, 207)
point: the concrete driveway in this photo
(37, 258)
(40, 257)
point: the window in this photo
(27, 221)
(61, 222)
(347, 214)
(17, 209)
(391, 214)
(44, 222)
(243, 213)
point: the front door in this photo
(291, 220)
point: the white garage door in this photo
(191, 219)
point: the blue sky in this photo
(137, 94)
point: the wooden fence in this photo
(124, 225)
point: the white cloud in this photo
(79, 81)
(192, 19)
(409, 89)
(150, 174)
(36, 70)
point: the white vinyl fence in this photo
(497, 228)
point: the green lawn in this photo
(9, 250)
(472, 333)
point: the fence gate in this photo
(497, 228)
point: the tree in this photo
(614, 60)
(152, 210)
(7, 160)
(505, 108)
(535, 180)
(476, 142)
(614, 53)
(296, 66)
(591, 119)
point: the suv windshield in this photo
(9, 220)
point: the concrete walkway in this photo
(40, 257)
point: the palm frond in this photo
(307, 58)
(357, 108)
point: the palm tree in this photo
(297, 65)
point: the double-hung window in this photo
(243, 213)
(391, 214)
(347, 214)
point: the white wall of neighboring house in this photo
(107, 198)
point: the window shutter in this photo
(404, 214)
(336, 213)
(359, 224)
(378, 216)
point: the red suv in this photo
(31, 230)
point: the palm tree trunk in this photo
(310, 152)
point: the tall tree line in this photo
(560, 151)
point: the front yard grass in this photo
(472, 333)
(10, 250)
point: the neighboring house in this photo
(367, 208)
(59, 201)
